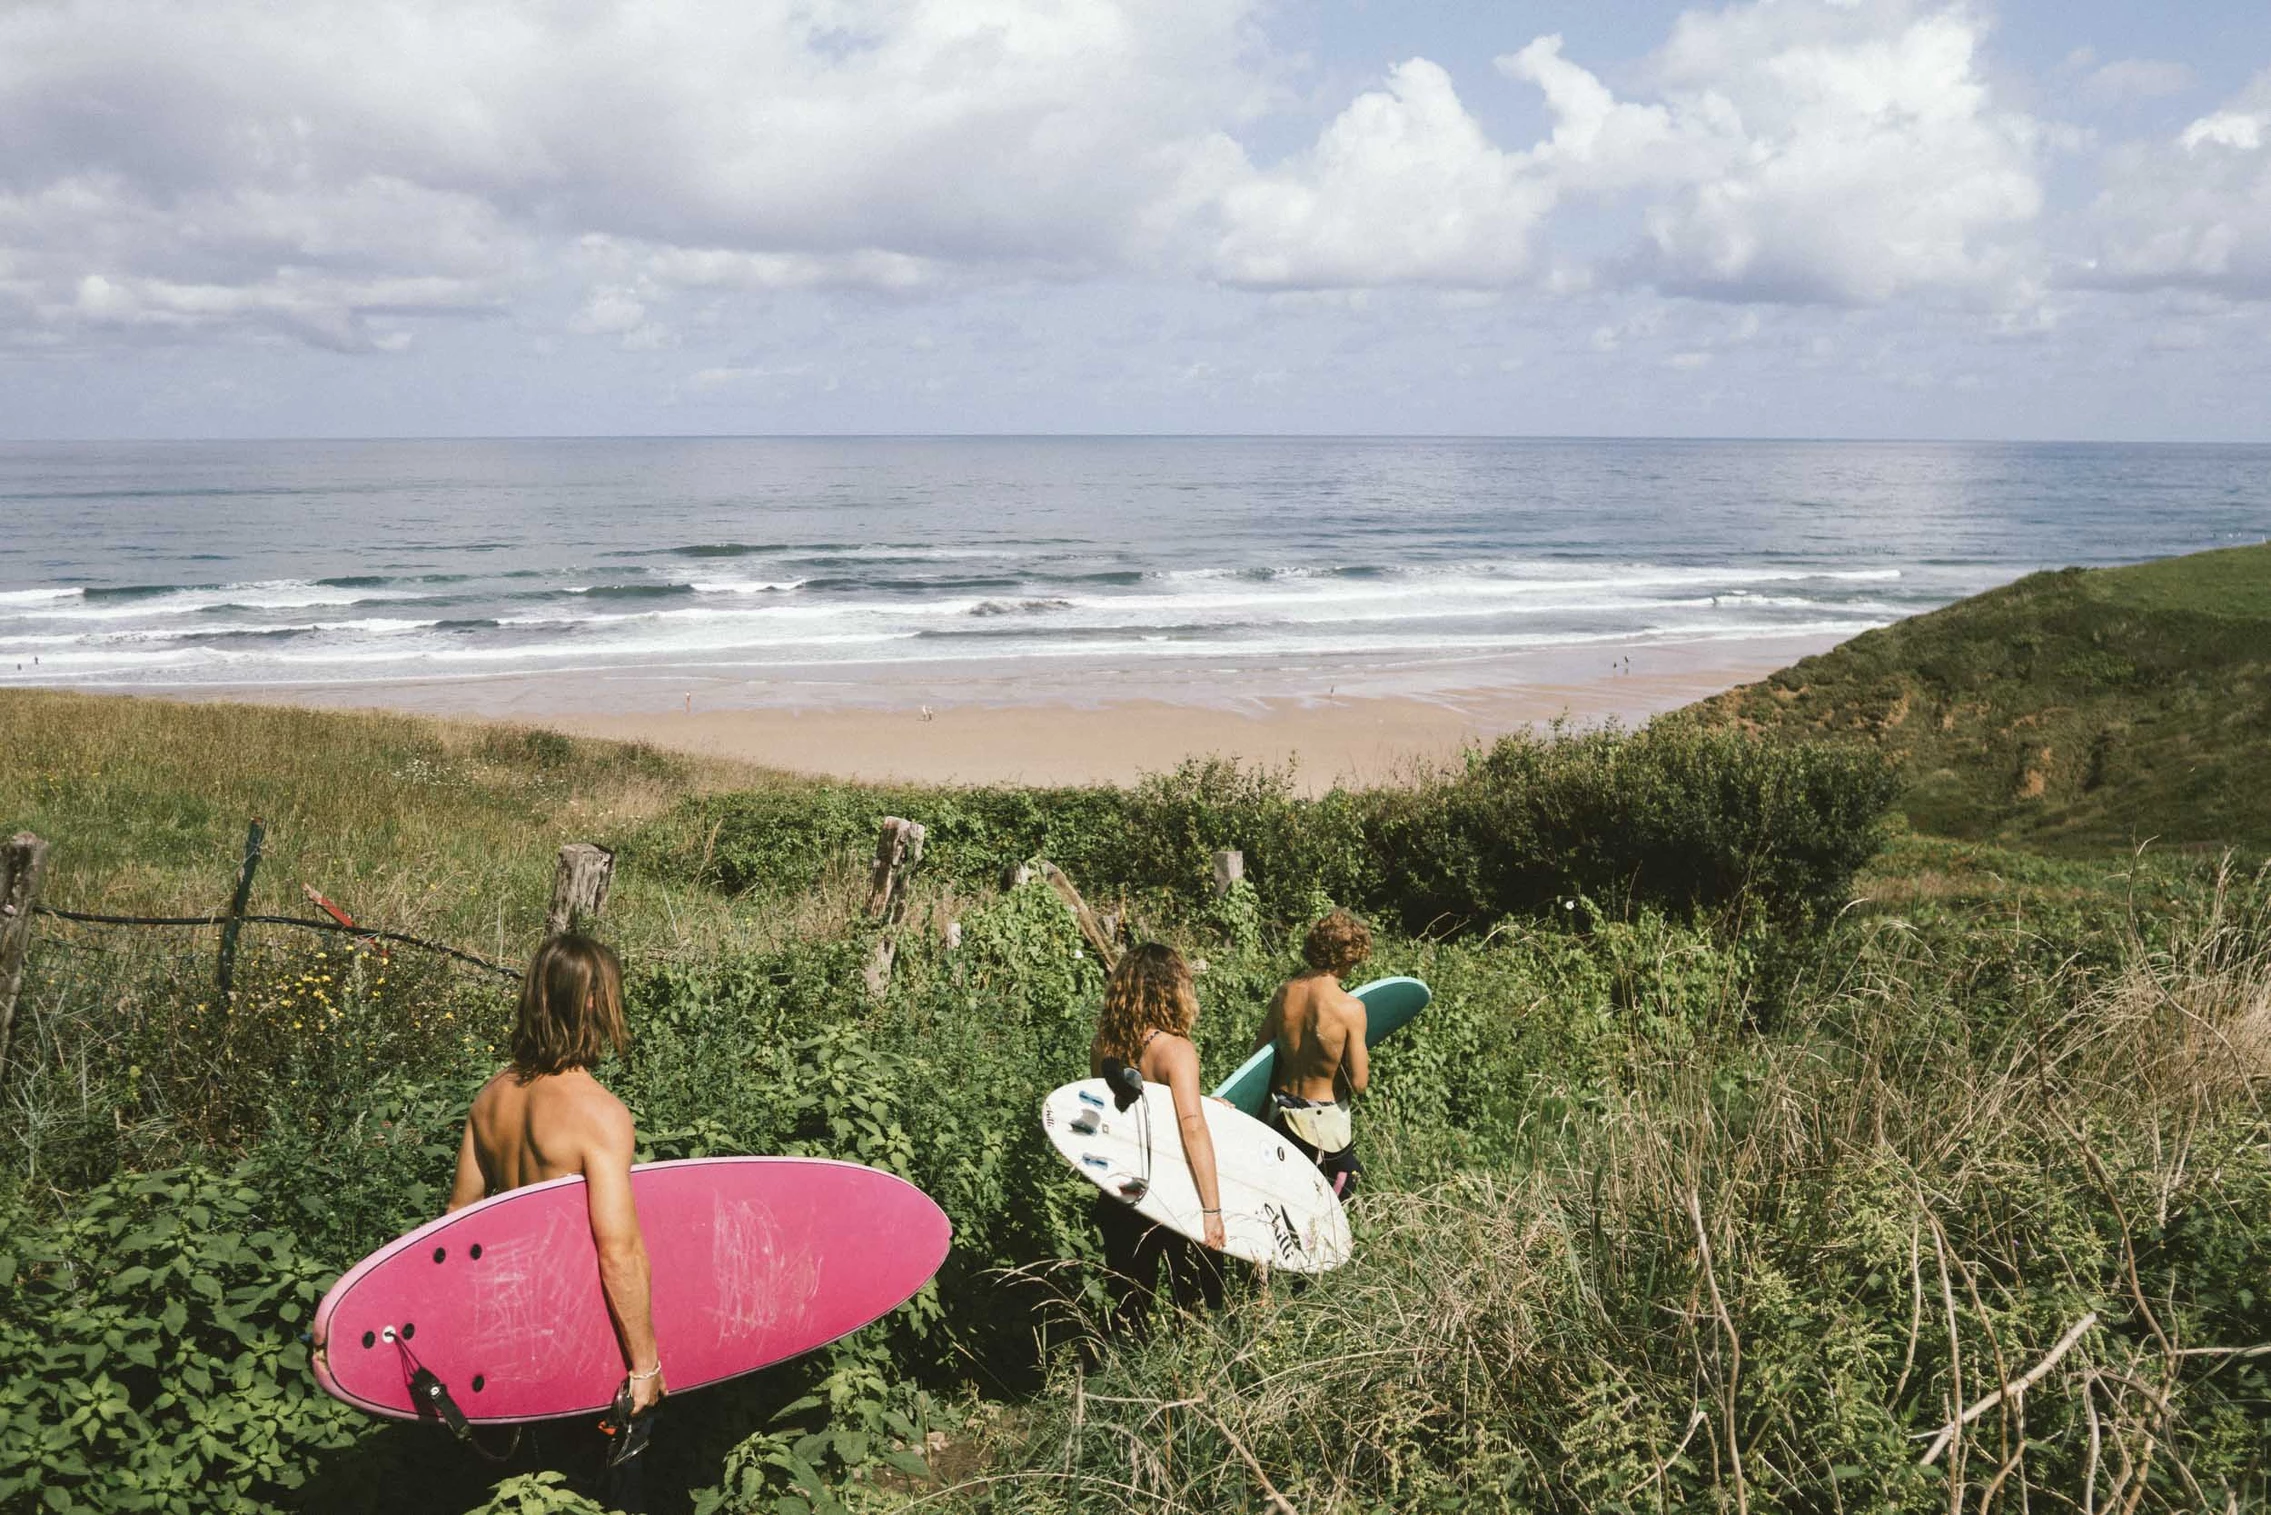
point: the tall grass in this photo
(1775, 1276)
(441, 828)
(1701, 1195)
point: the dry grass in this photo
(1765, 1279)
(441, 828)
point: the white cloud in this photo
(609, 311)
(2226, 128)
(2192, 213)
(296, 154)
(629, 170)
(1791, 151)
(2127, 79)
(1804, 153)
(1402, 187)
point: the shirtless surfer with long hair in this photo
(1149, 1008)
(544, 1117)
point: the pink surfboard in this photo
(755, 1260)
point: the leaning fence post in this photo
(899, 845)
(1091, 929)
(579, 887)
(226, 976)
(23, 864)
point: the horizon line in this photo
(1136, 436)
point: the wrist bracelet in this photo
(653, 1372)
(1210, 1212)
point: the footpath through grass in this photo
(1718, 1176)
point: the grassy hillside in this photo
(1697, 1196)
(2076, 710)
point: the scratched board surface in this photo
(755, 1260)
(1277, 1208)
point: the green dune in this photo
(2074, 711)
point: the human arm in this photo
(622, 1247)
(471, 1183)
(1356, 1058)
(1179, 1062)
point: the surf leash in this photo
(1126, 1083)
(433, 1399)
(627, 1432)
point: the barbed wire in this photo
(91, 918)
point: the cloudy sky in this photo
(2037, 218)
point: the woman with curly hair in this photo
(1318, 1029)
(1149, 1007)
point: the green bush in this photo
(1673, 816)
(152, 1335)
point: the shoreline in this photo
(1085, 725)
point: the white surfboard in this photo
(1277, 1208)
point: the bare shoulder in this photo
(499, 1085)
(608, 1117)
(1174, 1053)
(1351, 1011)
(579, 1108)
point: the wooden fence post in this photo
(579, 887)
(1229, 869)
(898, 846)
(23, 865)
(1091, 929)
(225, 975)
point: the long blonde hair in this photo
(1150, 990)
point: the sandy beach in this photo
(1095, 724)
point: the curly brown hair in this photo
(1150, 990)
(1337, 943)
(571, 1008)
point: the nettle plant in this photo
(153, 1333)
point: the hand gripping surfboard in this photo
(1389, 1005)
(1277, 1208)
(755, 1260)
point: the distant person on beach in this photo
(544, 1117)
(1318, 1029)
(1149, 1008)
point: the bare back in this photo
(524, 1132)
(1318, 1030)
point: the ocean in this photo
(1036, 563)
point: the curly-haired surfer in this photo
(1149, 1007)
(1318, 1029)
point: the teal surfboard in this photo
(1389, 1003)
